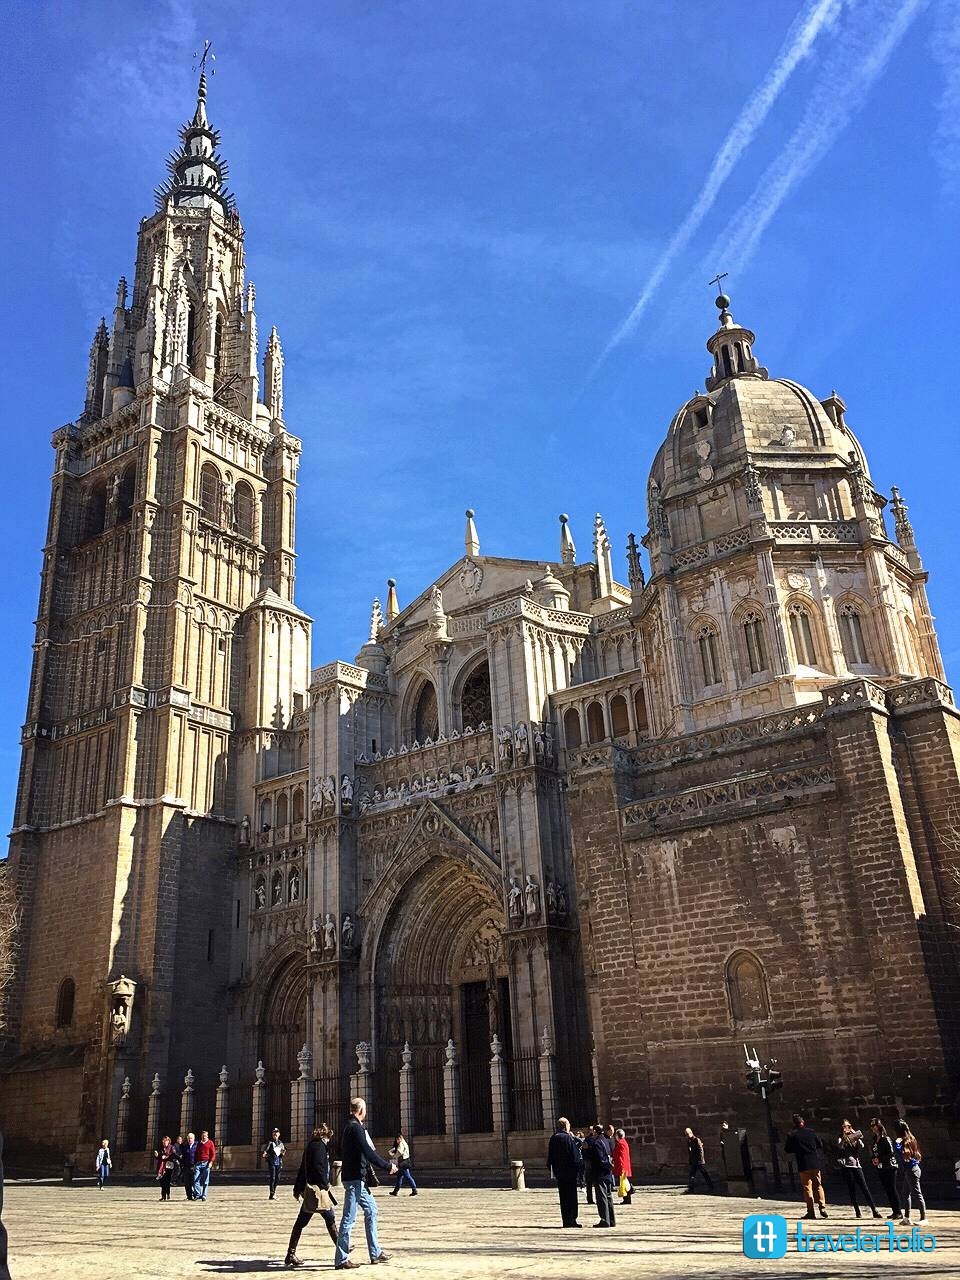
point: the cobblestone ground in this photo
(124, 1231)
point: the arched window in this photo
(571, 727)
(282, 810)
(65, 999)
(211, 493)
(95, 509)
(126, 493)
(276, 889)
(851, 635)
(752, 625)
(298, 805)
(596, 730)
(266, 814)
(243, 509)
(619, 720)
(801, 633)
(747, 989)
(640, 706)
(426, 722)
(475, 703)
(709, 653)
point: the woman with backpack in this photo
(886, 1164)
(401, 1154)
(909, 1157)
(849, 1148)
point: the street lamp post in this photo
(765, 1080)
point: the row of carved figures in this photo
(523, 902)
(323, 935)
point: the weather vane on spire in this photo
(718, 279)
(200, 59)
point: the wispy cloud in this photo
(816, 17)
(946, 51)
(861, 48)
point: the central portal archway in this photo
(441, 974)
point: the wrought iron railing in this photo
(523, 1080)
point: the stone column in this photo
(407, 1092)
(222, 1120)
(258, 1112)
(548, 1081)
(451, 1095)
(123, 1117)
(303, 1097)
(186, 1103)
(360, 1081)
(499, 1092)
(153, 1115)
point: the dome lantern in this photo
(732, 349)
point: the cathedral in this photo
(549, 843)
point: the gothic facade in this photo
(542, 813)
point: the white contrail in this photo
(856, 58)
(815, 16)
(946, 51)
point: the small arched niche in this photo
(747, 993)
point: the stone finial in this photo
(568, 552)
(634, 568)
(393, 607)
(546, 1044)
(451, 1051)
(376, 621)
(901, 521)
(188, 1080)
(259, 1072)
(251, 296)
(471, 541)
(602, 556)
(496, 1047)
(224, 1076)
(406, 1055)
(121, 293)
(125, 1087)
(156, 1083)
(363, 1055)
(273, 375)
(305, 1062)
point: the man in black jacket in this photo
(566, 1164)
(358, 1155)
(805, 1146)
(596, 1156)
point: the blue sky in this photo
(451, 211)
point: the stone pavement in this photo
(79, 1233)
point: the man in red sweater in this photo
(206, 1154)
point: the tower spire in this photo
(393, 607)
(197, 171)
(568, 552)
(471, 540)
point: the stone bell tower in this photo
(168, 662)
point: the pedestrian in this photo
(886, 1164)
(358, 1155)
(565, 1163)
(587, 1164)
(401, 1158)
(806, 1147)
(850, 1147)
(188, 1163)
(596, 1154)
(312, 1188)
(696, 1161)
(104, 1163)
(581, 1180)
(167, 1165)
(206, 1154)
(909, 1157)
(274, 1152)
(622, 1170)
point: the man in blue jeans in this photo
(358, 1155)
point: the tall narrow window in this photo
(210, 493)
(851, 636)
(65, 999)
(619, 720)
(571, 727)
(191, 334)
(426, 722)
(801, 632)
(709, 661)
(753, 636)
(640, 706)
(243, 509)
(596, 730)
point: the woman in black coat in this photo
(314, 1169)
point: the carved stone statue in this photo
(347, 933)
(551, 898)
(505, 739)
(329, 934)
(118, 1024)
(260, 894)
(515, 900)
(531, 892)
(294, 886)
(521, 741)
(365, 802)
(562, 908)
(538, 744)
(469, 772)
(315, 931)
(316, 798)
(229, 491)
(329, 789)
(346, 792)
(245, 829)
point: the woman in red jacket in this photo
(621, 1165)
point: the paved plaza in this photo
(77, 1232)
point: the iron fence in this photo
(523, 1081)
(240, 1116)
(276, 1113)
(476, 1109)
(575, 1094)
(386, 1101)
(332, 1100)
(428, 1105)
